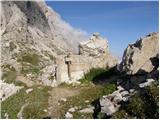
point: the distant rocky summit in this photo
(142, 56)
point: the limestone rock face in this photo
(33, 35)
(32, 25)
(142, 56)
(95, 46)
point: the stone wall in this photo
(72, 68)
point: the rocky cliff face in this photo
(35, 27)
(142, 56)
(32, 36)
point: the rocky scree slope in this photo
(33, 35)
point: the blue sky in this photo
(120, 22)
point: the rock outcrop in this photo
(142, 56)
(7, 90)
(32, 36)
(110, 103)
(95, 46)
(94, 53)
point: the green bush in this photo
(151, 99)
(136, 106)
(109, 88)
(145, 104)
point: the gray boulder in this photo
(140, 57)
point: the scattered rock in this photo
(20, 113)
(68, 115)
(87, 110)
(45, 110)
(6, 115)
(132, 90)
(76, 108)
(107, 106)
(72, 109)
(7, 90)
(29, 90)
(87, 101)
(147, 83)
(63, 99)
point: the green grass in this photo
(33, 58)
(96, 75)
(9, 73)
(121, 114)
(144, 104)
(87, 93)
(13, 104)
(89, 77)
(30, 69)
(37, 99)
(109, 88)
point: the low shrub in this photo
(89, 77)
(97, 74)
(145, 104)
(109, 88)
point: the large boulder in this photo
(142, 56)
(95, 46)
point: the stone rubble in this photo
(87, 110)
(29, 90)
(71, 110)
(68, 115)
(7, 90)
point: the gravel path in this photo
(59, 94)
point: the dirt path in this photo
(57, 94)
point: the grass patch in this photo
(89, 93)
(143, 105)
(109, 88)
(96, 75)
(29, 58)
(30, 69)
(13, 104)
(37, 99)
(9, 73)
(89, 77)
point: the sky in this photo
(122, 23)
